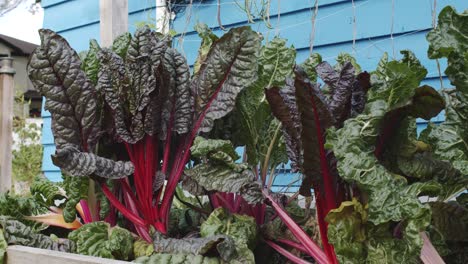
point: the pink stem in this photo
(292, 244)
(313, 249)
(117, 204)
(290, 256)
(87, 213)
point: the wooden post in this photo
(114, 20)
(6, 121)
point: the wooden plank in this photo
(6, 121)
(29, 255)
(114, 20)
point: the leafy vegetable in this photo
(144, 98)
(449, 40)
(100, 240)
(163, 258)
(360, 145)
(242, 229)
(223, 245)
(3, 246)
(46, 191)
(208, 37)
(221, 173)
(16, 233)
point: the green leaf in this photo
(242, 229)
(230, 66)
(449, 230)
(121, 43)
(204, 147)
(231, 177)
(221, 244)
(17, 233)
(344, 58)
(90, 63)
(142, 248)
(99, 239)
(17, 207)
(208, 38)
(47, 191)
(3, 246)
(347, 231)
(257, 125)
(449, 140)
(276, 62)
(76, 189)
(359, 147)
(162, 258)
(309, 66)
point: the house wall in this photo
(377, 29)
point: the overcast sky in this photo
(22, 24)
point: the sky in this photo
(22, 24)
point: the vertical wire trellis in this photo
(314, 21)
(354, 27)
(434, 25)
(391, 29)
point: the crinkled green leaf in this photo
(47, 191)
(82, 164)
(223, 245)
(276, 62)
(344, 58)
(76, 189)
(3, 246)
(230, 66)
(232, 178)
(90, 63)
(99, 239)
(17, 233)
(359, 145)
(449, 229)
(257, 125)
(121, 43)
(347, 231)
(163, 258)
(309, 66)
(17, 207)
(221, 173)
(207, 37)
(55, 70)
(203, 147)
(182, 221)
(104, 203)
(450, 40)
(242, 229)
(449, 139)
(142, 248)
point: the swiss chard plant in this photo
(380, 152)
(132, 114)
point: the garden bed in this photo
(30, 255)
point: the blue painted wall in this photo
(78, 21)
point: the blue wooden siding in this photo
(78, 21)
